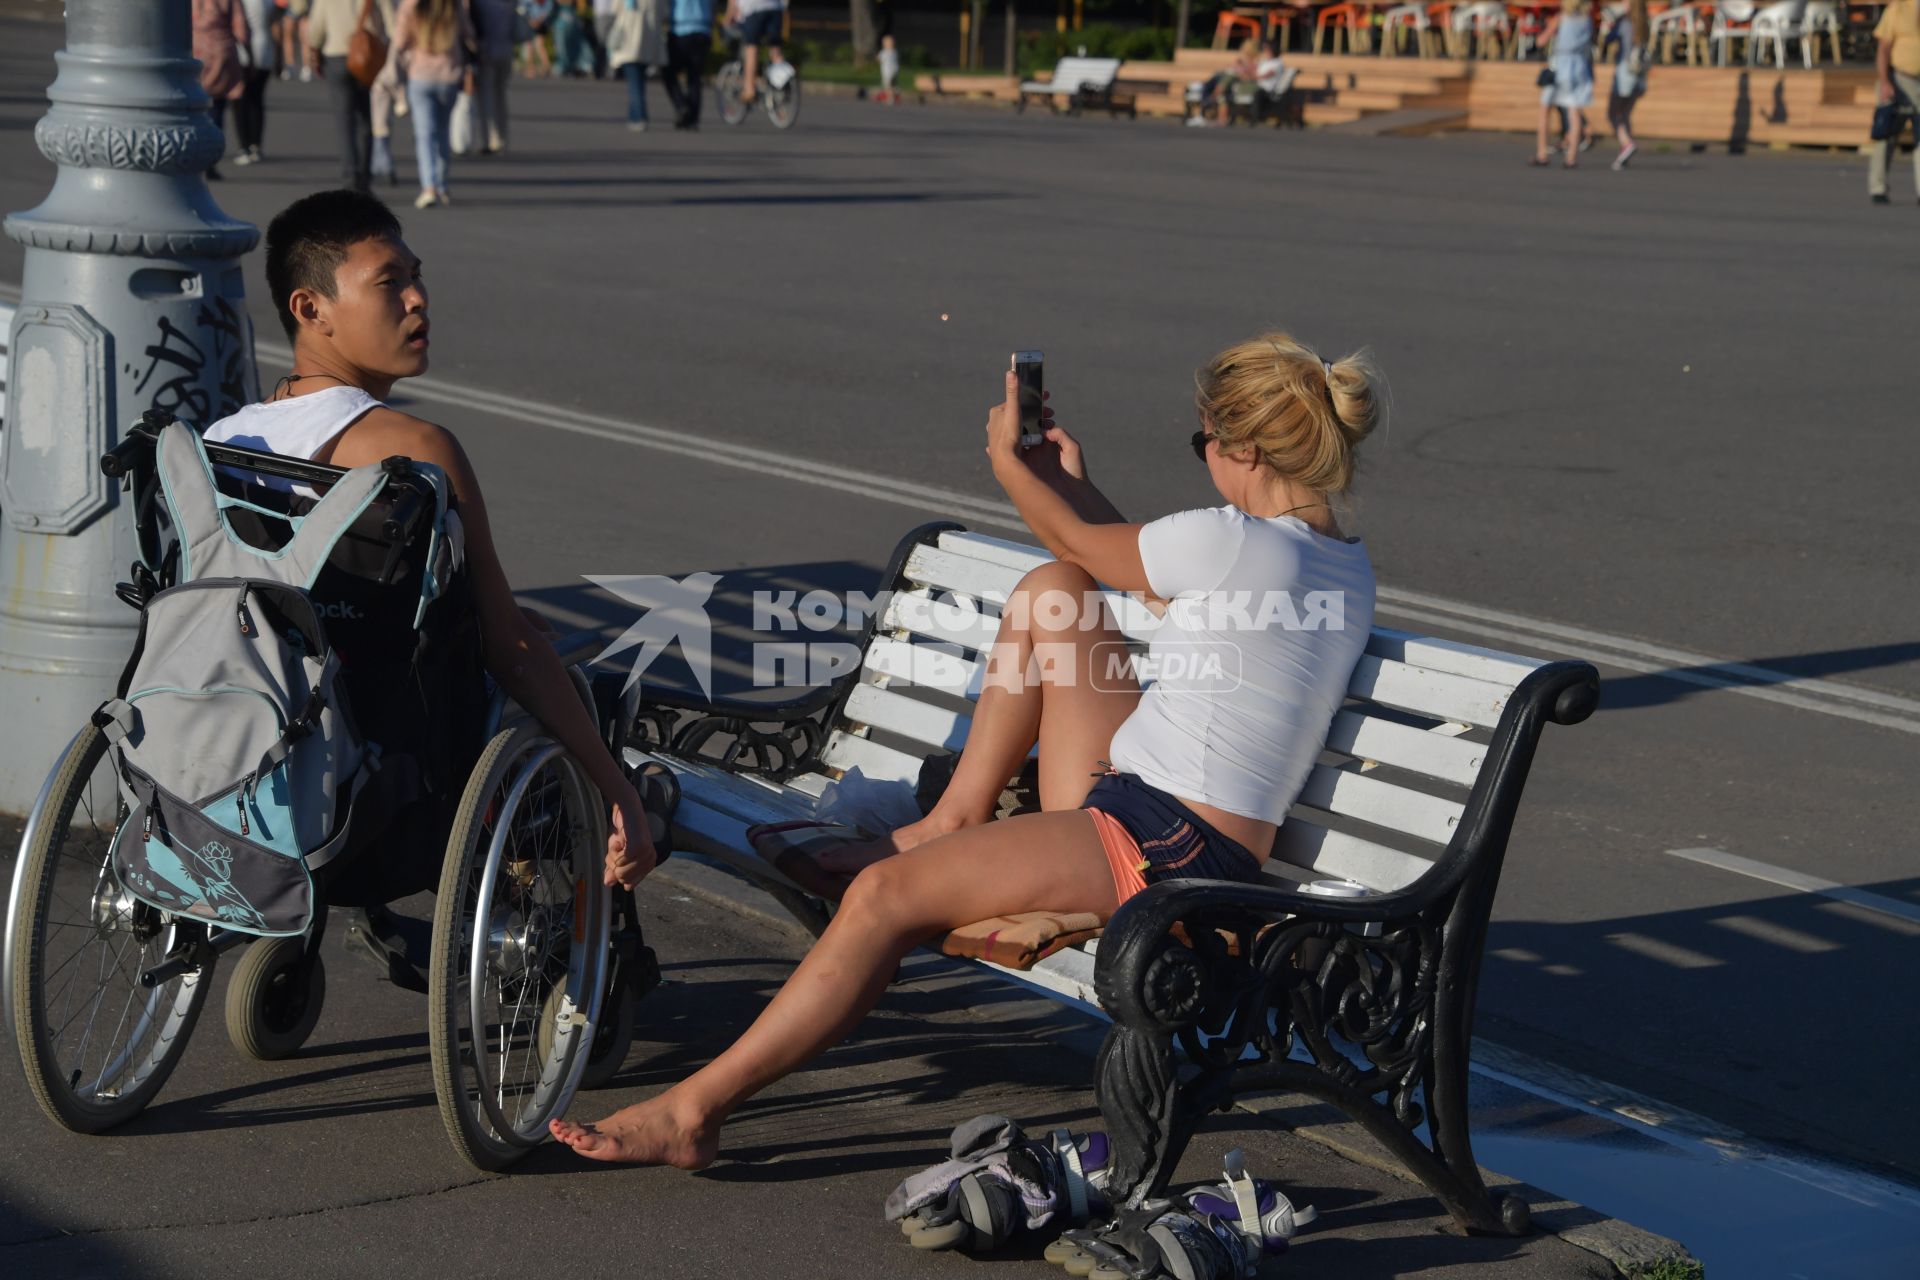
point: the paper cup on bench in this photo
(1344, 889)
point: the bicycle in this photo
(777, 89)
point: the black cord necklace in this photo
(292, 378)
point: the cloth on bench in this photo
(1023, 940)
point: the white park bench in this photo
(1365, 1002)
(1076, 84)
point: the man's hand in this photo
(1886, 92)
(630, 852)
(315, 61)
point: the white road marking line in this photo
(1801, 881)
(1825, 697)
(1541, 635)
(1706, 669)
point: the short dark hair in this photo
(309, 240)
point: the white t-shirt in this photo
(1265, 621)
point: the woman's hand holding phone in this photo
(1056, 459)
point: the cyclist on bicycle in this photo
(759, 22)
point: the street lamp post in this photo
(132, 299)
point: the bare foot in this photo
(646, 1133)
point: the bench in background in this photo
(1081, 83)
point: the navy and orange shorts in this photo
(1150, 836)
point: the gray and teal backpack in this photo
(235, 749)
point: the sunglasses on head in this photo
(1199, 443)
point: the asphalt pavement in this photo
(1661, 419)
(334, 1163)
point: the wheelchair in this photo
(535, 966)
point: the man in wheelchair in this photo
(352, 298)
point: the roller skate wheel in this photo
(945, 1236)
(1060, 1251)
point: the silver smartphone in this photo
(1026, 372)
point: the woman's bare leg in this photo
(1045, 684)
(1042, 860)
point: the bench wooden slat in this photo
(1451, 656)
(1002, 551)
(1336, 855)
(1404, 747)
(1382, 804)
(923, 722)
(993, 581)
(924, 667)
(956, 571)
(947, 621)
(1436, 694)
(846, 751)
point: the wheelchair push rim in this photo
(521, 937)
(95, 1040)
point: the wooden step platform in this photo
(1761, 106)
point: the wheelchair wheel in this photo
(726, 93)
(96, 1043)
(274, 998)
(519, 939)
(783, 104)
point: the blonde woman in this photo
(1201, 774)
(433, 39)
(1569, 42)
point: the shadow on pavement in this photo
(1658, 688)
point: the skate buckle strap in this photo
(1245, 1195)
(1063, 1146)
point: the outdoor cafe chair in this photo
(1732, 20)
(1686, 22)
(1822, 16)
(1402, 20)
(1487, 23)
(1775, 25)
(1354, 22)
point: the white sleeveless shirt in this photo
(297, 427)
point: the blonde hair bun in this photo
(1304, 416)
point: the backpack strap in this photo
(209, 548)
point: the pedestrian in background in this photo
(262, 47)
(493, 26)
(604, 12)
(434, 40)
(1567, 84)
(537, 17)
(689, 40)
(572, 52)
(1897, 58)
(386, 98)
(293, 39)
(220, 32)
(889, 70)
(636, 41)
(1629, 77)
(330, 28)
